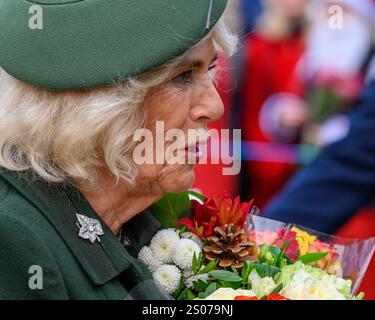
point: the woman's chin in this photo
(184, 182)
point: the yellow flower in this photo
(304, 240)
(335, 268)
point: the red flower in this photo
(276, 297)
(292, 249)
(245, 298)
(204, 218)
(215, 212)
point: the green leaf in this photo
(196, 194)
(209, 290)
(270, 254)
(190, 295)
(246, 271)
(198, 286)
(180, 288)
(182, 230)
(169, 209)
(312, 257)
(203, 284)
(234, 270)
(195, 262)
(262, 254)
(202, 295)
(277, 277)
(275, 251)
(277, 289)
(226, 276)
(199, 262)
(282, 256)
(182, 295)
(265, 270)
(233, 285)
(211, 265)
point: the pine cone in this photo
(230, 247)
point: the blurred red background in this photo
(211, 182)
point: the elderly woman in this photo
(79, 78)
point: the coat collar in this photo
(102, 261)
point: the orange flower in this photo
(232, 211)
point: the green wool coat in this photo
(42, 256)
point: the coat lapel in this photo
(102, 261)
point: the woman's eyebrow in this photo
(199, 63)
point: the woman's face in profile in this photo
(186, 102)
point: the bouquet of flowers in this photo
(219, 248)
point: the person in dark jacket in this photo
(341, 180)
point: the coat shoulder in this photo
(27, 265)
(4, 189)
(13, 205)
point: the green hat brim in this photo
(87, 43)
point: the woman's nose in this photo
(208, 105)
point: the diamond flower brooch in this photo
(89, 228)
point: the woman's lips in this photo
(193, 152)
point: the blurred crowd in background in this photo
(301, 67)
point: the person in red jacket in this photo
(271, 92)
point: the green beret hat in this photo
(73, 44)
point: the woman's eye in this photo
(186, 77)
(212, 67)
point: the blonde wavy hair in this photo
(65, 135)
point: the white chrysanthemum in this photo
(183, 252)
(145, 255)
(186, 273)
(192, 236)
(168, 276)
(190, 279)
(162, 244)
